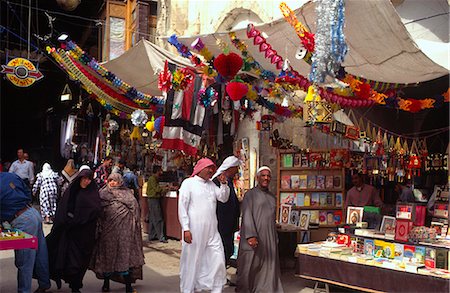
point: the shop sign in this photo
(21, 72)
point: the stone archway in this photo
(237, 18)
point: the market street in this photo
(160, 272)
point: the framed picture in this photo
(285, 213)
(304, 220)
(388, 225)
(294, 217)
(354, 215)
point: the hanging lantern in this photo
(236, 90)
(228, 65)
(316, 110)
(135, 134)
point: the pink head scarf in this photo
(202, 164)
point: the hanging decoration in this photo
(316, 110)
(236, 89)
(135, 134)
(165, 78)
(330, 46)
(228, 65)
(159, 124)
(184, 51)
(182, 78)
(200, 47)
(113, 125)
(207, 97)
(139, 118)
(306, 38)
(21, 72)
(259, 40)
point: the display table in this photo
(169, 205)
(29, 241)
(364, 277)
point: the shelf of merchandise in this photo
(320, 170)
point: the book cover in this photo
(379, 248)
(369, 247)
(338, 200)
(320, 182)
(430, 257)
(314, 219)
(288, 160)
(389, 250)
(297, 160)
(304, 161)
(322, 199)
(285, 213)
(287, 198)
(442, 259)
(337, 217)
(285, 182)
(322, 218)
(300, 199)
(307, 201)
(329, 182)
(330, 218)
(402, 228)
(311, 181)
(419, 254)
(408, 252)
(398, 252)
(294, 218)
(337, 182)
(315, 199)
(330, 199)
(303, 182)
(295, 181)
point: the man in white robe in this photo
(202, 263)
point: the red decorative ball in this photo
(228, 65)
(236, 90)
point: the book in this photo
(285, 182)
(338, 200)
(320, 182)
(294, 218)
(300, 199)
(419, 254)
(442, 258)
(378, 248)
(307, 201)
(430, 257)
(330, 218)
(322, 218)
(304, 160)
(311, 181)
(315, 199)
(288, 160)
(295, 181)
(287, 198)
(285, 213)
(337, 217)
(314, 218)
(389, 250)
(337, 182)
(329, 182)
(369, 247)
(297, 160)
(322, 199)
(330, 199)
(303, 182)
(398, 252)
(408, 252)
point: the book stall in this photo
(12, 239)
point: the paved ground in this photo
(160, 272)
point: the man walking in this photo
(155, 217)
(16, 208)
(258, 262)
(102, 172)
(202, 263)
(23, 168)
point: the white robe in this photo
(202, 263)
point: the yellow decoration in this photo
(136, 134)
(150, 126)
(316, 110)
(21, 72)
(312, 95)
(251, 95)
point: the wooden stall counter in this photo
(169, 205)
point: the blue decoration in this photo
(182, 49)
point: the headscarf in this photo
(202, 164)
(85, 171)
(262, 169)
(70, 167)
(228, 163)
(117, 178)
(47, 171)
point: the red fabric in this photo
(178, 144)
(188, 95)
(202, 164)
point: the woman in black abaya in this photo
(72, 239)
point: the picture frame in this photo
(354, 215)
(285, 213)
(303, 222)
(388, 225)
(294, 217)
